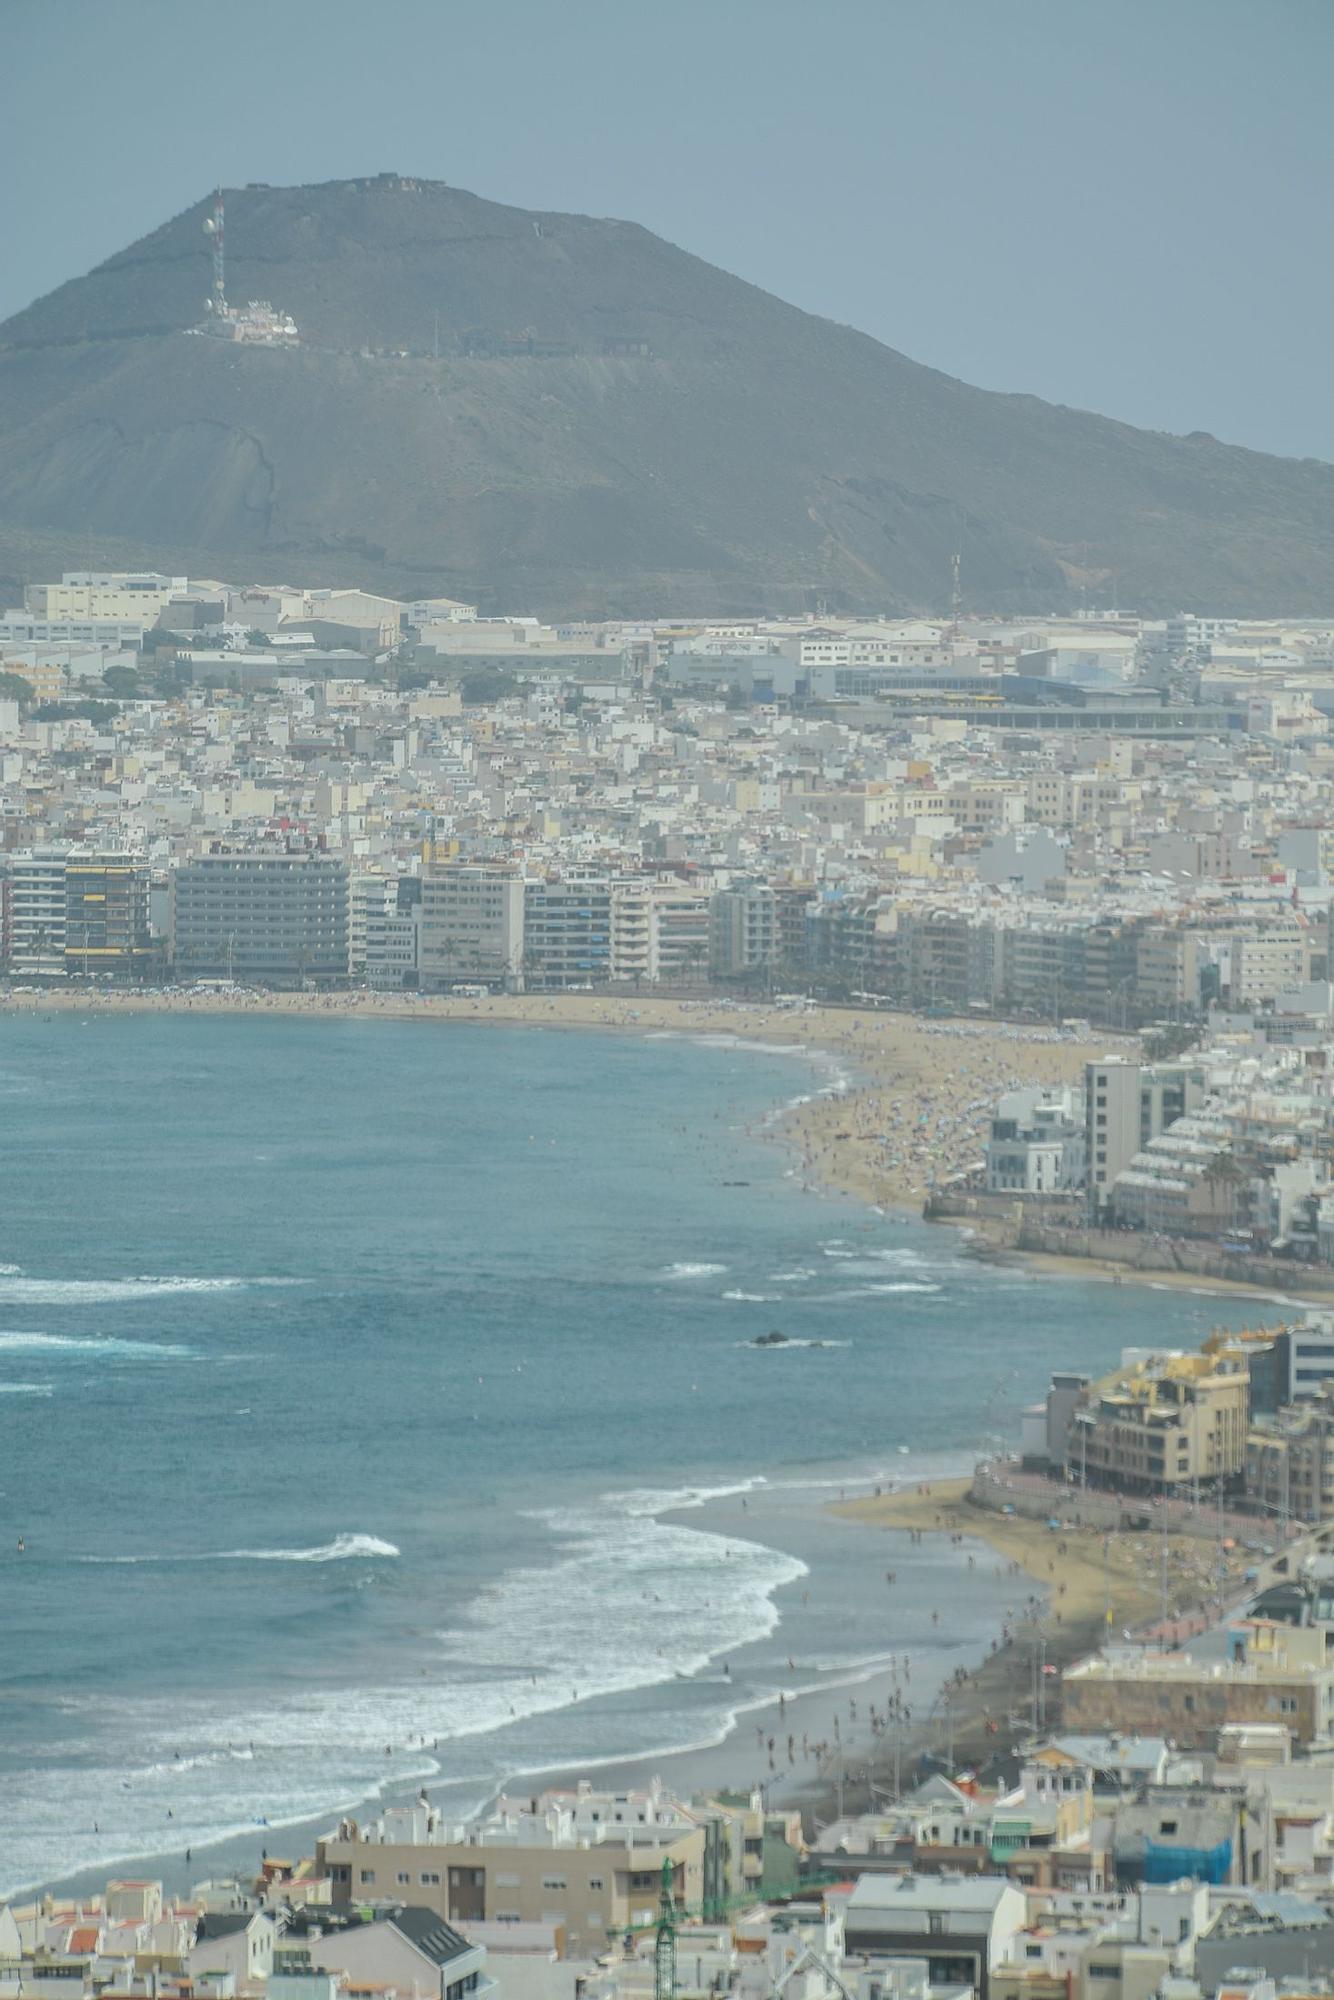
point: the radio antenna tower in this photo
(213, 228)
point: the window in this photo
(553, 1881)
(595, 1881)
(403, 1878)
(367, 1875)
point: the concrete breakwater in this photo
(1002, 1224)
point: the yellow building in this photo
(1166, 1424)
(119, 598)
(46, 678)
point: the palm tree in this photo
(1224, 1178)
(446, 951)
(695, 955)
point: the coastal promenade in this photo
(1000, 1486)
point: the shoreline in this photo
(1099, 1271)
(1094, 1585)
(895, 1050)
(986, 1687)
(790, 1516)
(906, 1111)
(909, 1110)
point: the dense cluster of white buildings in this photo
(1110, 1868)
(1095, 819)
(1064, 817)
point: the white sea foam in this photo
(633, 1600)
(630, 1600)
(18, 1290)
(754, 1298)
(26, 1389)
(798, 1277)
(879, 1291)
(342, 1548)
(104, 1346)
(10, 1270)
(782, 1346)
(693, 1271)
(751, 1045)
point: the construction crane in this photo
(808, 1959)
(664, 1944)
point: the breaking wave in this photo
(90, 1344)
(341, 1549)
(18, 1290)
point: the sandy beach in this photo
(1092, 1586)
(912, 1105)
(1103, 1582)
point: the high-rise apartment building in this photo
(106, 917)
(567, 924)
(743, 930)
(275, 918)
(37, 912)
(472, 925)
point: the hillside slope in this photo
(676, 440)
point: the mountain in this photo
(553, 413)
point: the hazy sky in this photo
(1121, 204)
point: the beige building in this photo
(1282, 1680)
(1290, 1462)
(1081, 1965)
(1167, 968)
(471, 925)
(590, 1863)
(1264, 962)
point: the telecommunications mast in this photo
(213, 228)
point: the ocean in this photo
(365, 1387)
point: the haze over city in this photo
(666, 1003)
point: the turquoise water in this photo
(358, 1380)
